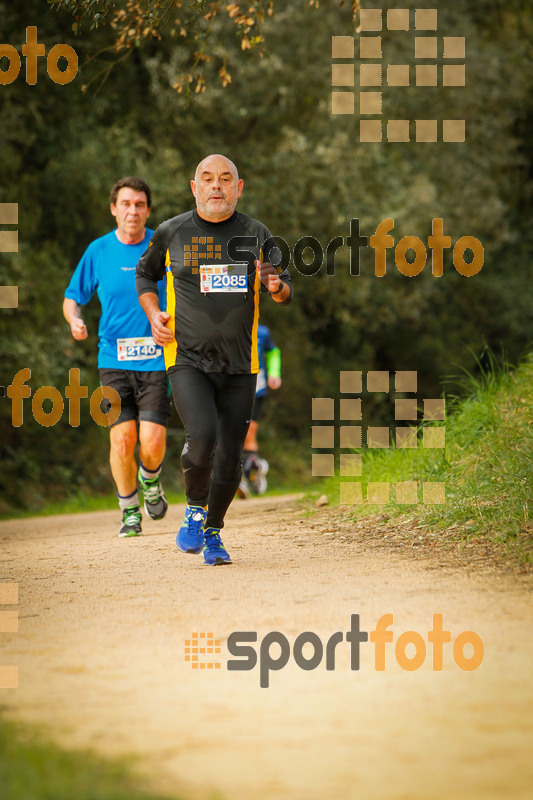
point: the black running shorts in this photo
(143, 395)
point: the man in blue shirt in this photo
(128, 359)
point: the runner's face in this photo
(216, 189)
(131, 212)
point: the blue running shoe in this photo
(190, 538)
(214, 553)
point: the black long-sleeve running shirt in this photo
(212, 292)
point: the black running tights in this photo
(216, 409)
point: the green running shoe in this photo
(131, 522)
(155, 502)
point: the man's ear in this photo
(193, 187)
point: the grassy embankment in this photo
(486, 465)
(31, 769)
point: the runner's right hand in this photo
(161, 334)
(79, 329)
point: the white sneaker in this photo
(258, 477)
(244, 489)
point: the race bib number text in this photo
(223, 278)
(134, 349)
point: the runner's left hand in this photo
(268, 275)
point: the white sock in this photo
(150, 474)
(128, 501)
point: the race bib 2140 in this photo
(137, 349)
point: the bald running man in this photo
(216, 260)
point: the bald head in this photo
(213, 161)
(216, 188)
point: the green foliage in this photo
(487, 464)
(305, 174)
(31, 769)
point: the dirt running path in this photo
(100, 651)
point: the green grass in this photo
(80, 503)
(487, 464)
(85, 503)
(32, 769)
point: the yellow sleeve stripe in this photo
(170, 350)
(254, 355)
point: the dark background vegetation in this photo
(305, 174)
